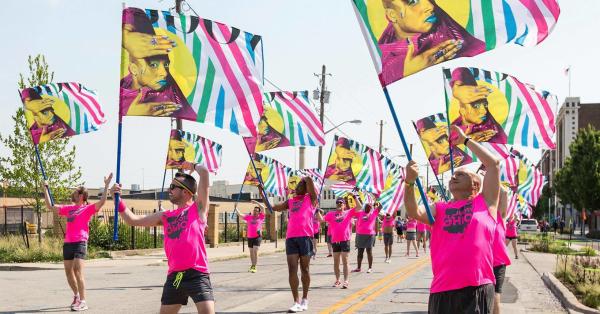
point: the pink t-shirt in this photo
(300, 215)
(184, 239)
(253, 224)
(511, 229)
(365, 222)
(500, 250)
(387, 222)
(316, 225)
(78, 221)
(421, 227)
(461, 245)
(411, 225)
(340, 225)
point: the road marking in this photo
(376, 286)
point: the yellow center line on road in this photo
(379, 286)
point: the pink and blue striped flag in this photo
(498, 108)
(59, 110)
(186, 146)
(405, 37)
(392, 196)
(274, 175)
(187, 67)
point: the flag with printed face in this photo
(59, 110)
(530, 179)
(274, 175)
(187, 67)
(498, 108)
(408, 36)
(296, 175)
(288, 119)
(434, 135)
(185, 146)
(392, 196)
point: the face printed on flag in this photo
(60, 110)
(433, 132)
(190, 68)
(251, 177)
(345, 161)
(270, 131)
(185, 146)
(293, 181)
(497, 108)
(408, 36)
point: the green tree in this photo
(21, 168)
(578, 182)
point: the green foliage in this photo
(20, 167)
(13, 250)
(582, 276)
(101, 236)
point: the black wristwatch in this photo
(466, 140)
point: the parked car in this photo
(528, 225)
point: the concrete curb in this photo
(566, 297)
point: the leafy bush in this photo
(581, 274)
(13, 250)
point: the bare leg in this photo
(514, 245)
(78, 265)
(205, 307)
(305, 272)
(314, 241)
(346, 265)
(329, 248)
(425, 244)
(407, 247)
(70, 275)
(390, 251)
(292, 261)
(359, 257)
(415, 246)
(385, 248)
(497, 303)
(170, 309)
(336, 265)
(370, 257)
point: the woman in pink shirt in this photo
(188, 275)
(411, 235)
(340, 223)
(462, 234)
(421, 236)
(254, 222)
(387, 228)
(298, 243)
(365, 233)
(78, 216)
(512, 233)
(316, 233)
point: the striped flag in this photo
(392, 197)
(511, 112)
(512, 205)
(452, 30)
(273, 173)
(59, 110)
(296, 175)
(185, 146)
(342, 189)
(288, 120)
(530, 180)
(213, 73)
(371, 178)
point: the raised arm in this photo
(102, 200)
(503, 203)
(202, 197)
(319, 216)
(491, 180)
(310, 189)
(47, 197)
(410, 202)
(276, 207)
(132, 219)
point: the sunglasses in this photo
(173, 187)
(339, 202)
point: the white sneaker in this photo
(304, 305)
(81, 306)
(369, 271)
(389, 260)
(75, 302)
(295, 308)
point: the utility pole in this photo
(323, 98)
(380, 136)
(178, 122)
(301, 151)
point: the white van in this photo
(528, 225)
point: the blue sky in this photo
(81, 41)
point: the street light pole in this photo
(322, 111)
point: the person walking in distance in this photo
(365, 234)
(411, 235)
(254, 222)
(78, 215)
(387, 228)
(512, 234)
(188, 274)
(462, 234)
(298, 243)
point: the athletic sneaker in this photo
(389, 260)
(81, 306)
(369, 271)
(75, 302)
(329, 255)
(295, 308)
(345, 285)
(253, 269)
(356, 270)
(337, 284)
(304, 305)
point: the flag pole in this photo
(118, 180)
(448, 119)
(407, 152)
(259, 181)
(39, 158)
(235, 209)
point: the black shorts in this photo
(343, 246)
(316, 235)
(252, 242)
(302, 246)
(193, 284)
(510, 238)
(388, 239)
(478, 299)
(399, 230)
(499, 272)
(73, 250)
(328, 238)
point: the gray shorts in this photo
(411, 235)
(388, 239)
(364, 241)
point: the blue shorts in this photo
(302, 246)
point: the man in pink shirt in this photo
(365, 233)
(75, 245)
(421, 237)
(188, 274)
(462, 234)
(411, 236)
(387, 228)
(298, 243)
(254, 223)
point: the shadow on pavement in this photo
(45, 310)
